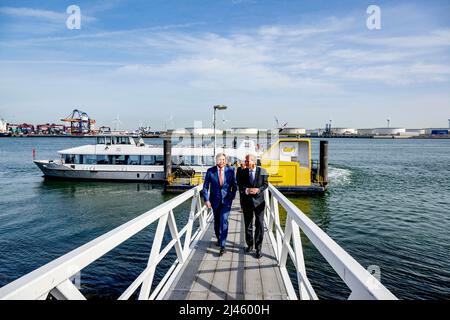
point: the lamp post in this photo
(217, 107)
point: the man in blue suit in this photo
(220, 181)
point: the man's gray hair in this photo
(221, 155)
(251, 156)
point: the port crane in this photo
(79, 122)
(278, 126)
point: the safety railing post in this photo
(278, 237)
(156, 247)
(190, 224)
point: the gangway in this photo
(198, 272)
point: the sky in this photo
(166, 63)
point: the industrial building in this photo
(389, 131)
(343, 131)
(437, 131)
(365, 132)
(293, 131)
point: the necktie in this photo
(220, 177)
(252, 177)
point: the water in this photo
(388, 205)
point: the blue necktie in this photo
(252, 177)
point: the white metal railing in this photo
(55, 277)
(362, 284)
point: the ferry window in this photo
(133, 160)
(122, 140)
(179, 160)
(101, 140)
(102, 159)
(160, 160)
(148, 160)
(137, 141)
(108, 140)
(122, 159)
(69, 158)
(232, 160)
(209, 161)
(183, 160)
(90, 159)
(79, 159)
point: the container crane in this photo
(79, 122)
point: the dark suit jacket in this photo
(239, 178)
(217, 194)
(261, 182)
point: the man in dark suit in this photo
(253, 181)
(220, 181)
(239, 177)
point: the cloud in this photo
(34, 13)
(276, 57)
(434, 38)
(279, 66)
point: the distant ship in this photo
(3, 129)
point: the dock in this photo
(236, 275)
(198, 272)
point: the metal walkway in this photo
(235, 275)
(198, 272)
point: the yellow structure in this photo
(196, 179)
(288, 162)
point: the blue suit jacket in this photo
(219, 195)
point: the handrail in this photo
(54, 277)
(361, 283)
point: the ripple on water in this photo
(339, 176)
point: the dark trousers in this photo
(221, 214)
(251, 211)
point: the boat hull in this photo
(58, 170)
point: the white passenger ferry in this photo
(116, 157)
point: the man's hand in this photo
(253, 190)
(208, 204)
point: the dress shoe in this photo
(258, 254)
(248, 249)
(222, 251)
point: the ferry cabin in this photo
(115, 150)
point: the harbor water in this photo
(388, 206)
